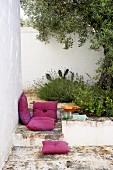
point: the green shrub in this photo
(58, 89)
(68, 87)
(60, 86)
(94, 100)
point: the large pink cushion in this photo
(45, 109)
(55, 147)
(41, 123)
(23, 109)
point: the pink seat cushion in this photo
(23, 109)
(45, 109)
(41, 124)
(55, 147)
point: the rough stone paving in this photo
(28, 156)
(26, 153)
(79, 158)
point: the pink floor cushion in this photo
(24, 113)
(45, 109)
(55, 147)
(41, 124)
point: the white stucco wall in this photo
(38, 58)
(88, 133)
(10, 73)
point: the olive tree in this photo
(90, 19)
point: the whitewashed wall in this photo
(10, 73)
(38, 57)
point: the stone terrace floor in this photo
(79, 158)
(26, 155)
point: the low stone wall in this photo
(90, 132)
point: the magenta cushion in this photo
(45, 109)
(55, 147)
(23, 109)
(41, 123)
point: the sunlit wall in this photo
(38, 57)
(10, 73)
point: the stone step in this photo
(79, 158)
(25, 137)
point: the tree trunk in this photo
(106, 78)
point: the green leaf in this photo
(60, 73)
(48, 77)
(66, 72)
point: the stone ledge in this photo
(26, 137)
(88, 132)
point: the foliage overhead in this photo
(25, 23)
(59, 19)
(90, 19)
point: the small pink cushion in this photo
(23, 109)
(55, 147)
(45, 109)
(41, 123)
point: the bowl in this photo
(70, 108)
